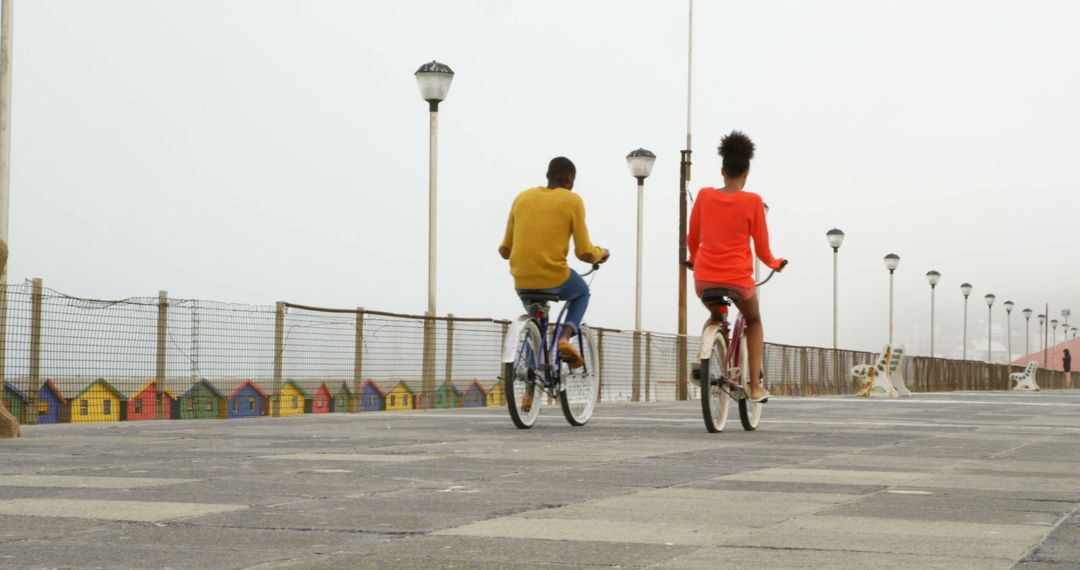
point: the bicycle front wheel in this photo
(749, 412)
(520, 379)
(715, 393)
(581, 386)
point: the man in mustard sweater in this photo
(542, 221)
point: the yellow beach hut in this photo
(402, 397)
(98, 402)
(292, 399)
(495, 395)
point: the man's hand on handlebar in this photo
(783, 264)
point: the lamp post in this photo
(932, 277)
(1042, 341)
(1008, 329)
(965, 288)
(641, 163)
(1053, 342)
(836, 239)
(989, 298)
(1065, 316)
(891, 262)
(1027, 331)
(433, 79)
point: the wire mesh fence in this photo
(71, 359)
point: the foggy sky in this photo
(264, 150)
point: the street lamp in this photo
(1053, 342)
(836, 239)
(641, 163)
(433, 79)
(932, 277)
(989, 298)
(1042, 338)
(965, 288)
(1008, 328)
(891, 262)
(1027, 331)
(1065, 315)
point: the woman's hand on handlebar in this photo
(607, 254)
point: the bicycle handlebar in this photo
(595, 268)
(783, 264)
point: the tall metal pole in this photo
(1027, 334)
(964, 357)
(1008, 334)
(6, 13)
(433, 155)
(835, 262)
(684, 178)
(890, 306)
(637, 278)
(989, 333)
(933, 289)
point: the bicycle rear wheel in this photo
(749, 412)
(581, 386)
(715, 394)
(520, 379)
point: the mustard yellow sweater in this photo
(542, 221)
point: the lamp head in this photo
(1053, 323)
(1027, 313)
(933, 277)
(434, 79)
(892, 261)
(1009, 306)
(989, 298)
(1042, 319)
(835, 237)
(966, 289)
(641, 163)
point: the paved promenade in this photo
(962, 480)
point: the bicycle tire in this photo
(715, 396)
(521, 375)
(581, 386)
(749, 412)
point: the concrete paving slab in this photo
(712, 557)
(141, 511)
(830, 476)
(77, 482)
(598, 530)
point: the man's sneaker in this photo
(570, 355)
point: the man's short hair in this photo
(560, 168)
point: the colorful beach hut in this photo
(475, 395)
(372, 397)
(15, 401)
(402, 397)
(142, 405)
(447, 396)
(248, 401)
(203, 401)
(495, 395)
(293, 398)
(52, 406)
(321, 400)
(98, 402)
(343, 399)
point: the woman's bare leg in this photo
(755, 342)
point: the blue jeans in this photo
(574, 290)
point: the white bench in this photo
(1026, 380)
(875, 378)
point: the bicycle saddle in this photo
(539, 298)
(719, 295)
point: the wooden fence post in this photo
(30, 409)
(648, 365)
(635, 382)
(427, 380)
(600, 358)
(279, 354)
(162, 337)
(447, 402)
(358, 358)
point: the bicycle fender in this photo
(708, 336)
(509, 351)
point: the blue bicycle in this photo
(533, 373)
